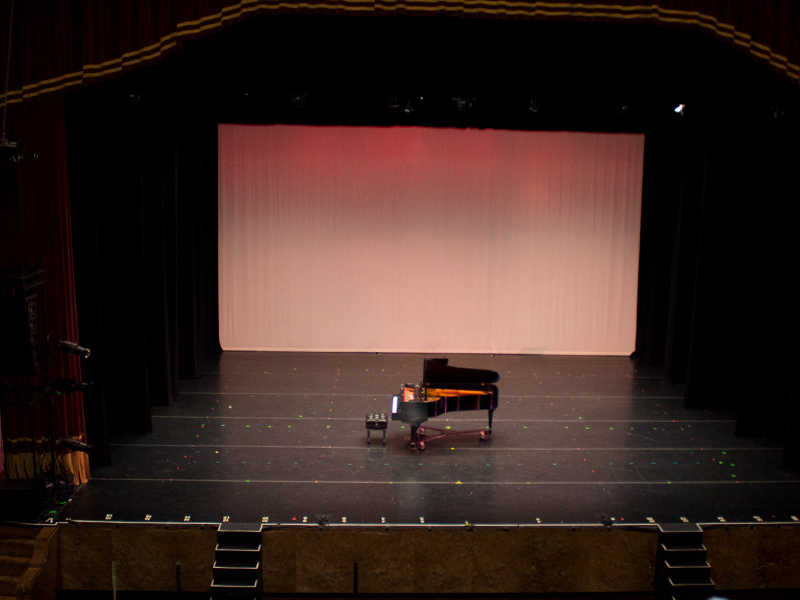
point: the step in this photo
(689, 573)
(233, 585)
(239, 534)
(13, 566)
(19, 532)
(684, 555)
(236, 572)
(682, 590)
(702, 595)
(16, 547)
(242, 554)
(680, 534)
(221, 589)
(8, 586)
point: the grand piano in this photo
(444, 389)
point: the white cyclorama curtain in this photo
(412, 239)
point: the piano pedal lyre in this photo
(417, 443)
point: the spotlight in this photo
(679, 109)
(393, 103)
(298, 100)
(9, 152)
(75, 445)
(778, 113)
(67, 386)
(74, 348)
(464, 104)
(408, 107)
(533, 105)
(622, 109)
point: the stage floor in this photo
(280, 437)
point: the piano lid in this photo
(436, 371)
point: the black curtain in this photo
(717, 305)
(674, 169)
(143, 198)
(718, 301)
(768, 388)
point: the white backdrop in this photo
(428, 240)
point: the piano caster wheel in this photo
(412, 446)
(482, 434)
(422, 445)
(421, 431)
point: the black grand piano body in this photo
(445, 389)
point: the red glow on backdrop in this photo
(428, 240)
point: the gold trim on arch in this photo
(502, 8)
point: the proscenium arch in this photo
(104, 44)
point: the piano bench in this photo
(377, 421)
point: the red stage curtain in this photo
(36, 231)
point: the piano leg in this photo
(489, 429)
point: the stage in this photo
(278, 437)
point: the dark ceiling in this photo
(365, 70)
